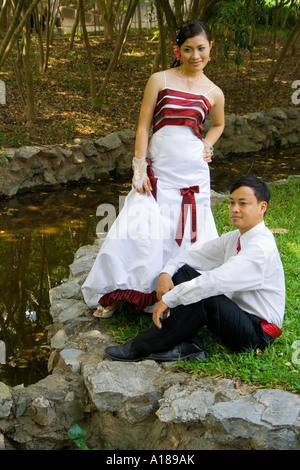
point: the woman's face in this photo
(195, 53)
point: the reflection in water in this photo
(39, 235)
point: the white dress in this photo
(149, 230)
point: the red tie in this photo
(188, 199)
(238, 247)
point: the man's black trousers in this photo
(237, 329)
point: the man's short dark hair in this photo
(261, 189)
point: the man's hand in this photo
(165, 284)
(160, 312)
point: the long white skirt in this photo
(142, 238)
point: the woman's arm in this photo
(141, 181)
(154, 85)
(218, 123)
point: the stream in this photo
(40, 233)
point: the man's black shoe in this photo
(125, 353)
(182, 351)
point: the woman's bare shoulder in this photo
(157, 78)
(215, 93)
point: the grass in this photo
(279, 365)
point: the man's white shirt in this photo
(253, 278)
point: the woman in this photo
(168, 207)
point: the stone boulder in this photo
(27, 168)
(134, 406)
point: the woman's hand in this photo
(207, 154)
(147, 187)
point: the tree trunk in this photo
(162, 35)
(74, 27)
(282, 53)
(88, 50)
(29, 107)
(157, 59)
(3, 16)
(170, 17)
(203, 10)
(38, 31)
(10, 33)
(296, 69)
(107, 11)
(15, 28)
(113, 63)
(47, 38)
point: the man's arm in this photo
(239, 273)
(165, 284)
(202, 257)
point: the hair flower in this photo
(177, 52)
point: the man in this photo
(233, 285)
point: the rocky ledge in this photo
(134, 406)
(35, 167)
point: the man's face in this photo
(244, 209)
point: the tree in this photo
(108, 9)
(29, 103)
(88, 49)
(116, 55)
(16, 26)
(290, 39)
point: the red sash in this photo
(188, 199)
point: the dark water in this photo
(39, 235)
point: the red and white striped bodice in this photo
(181, 108)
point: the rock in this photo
(277, 113)
(27, 152)
(184, 405)
(65, 310)
(6, 401)
(71, 358)
(245, 419)
(124, 388)
(59, 340)
(82, 266)
(87, 160)
(45, 411)
(111, 142)
(142, 405)
(275, 414)
(67, 290)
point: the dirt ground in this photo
(64, 109)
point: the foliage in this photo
(277, 366)
(236, 19)
(78, 434)
(16, 43)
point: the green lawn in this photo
(279, 365)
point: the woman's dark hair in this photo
(260, 189)
(189, 30)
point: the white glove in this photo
(139, 166)
(209, 147)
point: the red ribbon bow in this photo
(188, 199)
